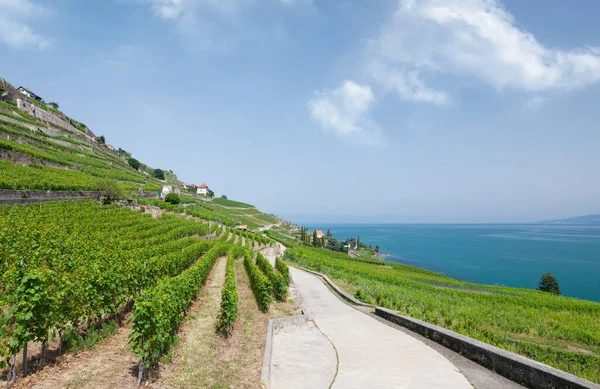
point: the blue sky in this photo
(362, 111)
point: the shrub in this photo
(549, 283)
(134, 163)
(283, 269)
(229, 298)
(261, 286)
(172, 198)
(159, 174)
(111, 190)
(276, 279)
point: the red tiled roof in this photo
(203, 186)
(319, 232)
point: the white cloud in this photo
(407, 83)
(345, 111)
(188, 9)
(15, 17)
(471, 38)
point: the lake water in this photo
(511, 255)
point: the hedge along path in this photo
(226, 362)
(260, 284)
(277, 280)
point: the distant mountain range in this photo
(588, 220)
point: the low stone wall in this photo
(10, 196)
(519, 369)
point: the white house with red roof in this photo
(28, 93)
(202, 189)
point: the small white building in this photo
(28, 93)
(165, 190)
(319, 234)
(202, 189)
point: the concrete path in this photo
(372, 354)
(302, 357)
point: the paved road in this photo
(370, 353)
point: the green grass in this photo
(231, 203)
(266, 218)
(559, 331)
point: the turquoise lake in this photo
(510, 255)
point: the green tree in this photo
(110, 190)
(224, 197)
(315, 240)
(159, 174)
(549, 283)
(101, 139)
(53, 104)
(358, 243)
(172, 198)
(328, 233)
(211, 193)
(333, 244)
(376, 249)
(134, 163)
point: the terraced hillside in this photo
(50, 151)
(117, 282)
(76, 274)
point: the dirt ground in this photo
(207, 359)
(110, 364)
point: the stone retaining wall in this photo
(10, 196)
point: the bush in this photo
(283, 269)
(134, 163)
(111, 190)
(276, 279)
(172, 198)
(229, 298)
(261, 286)
(159, 174)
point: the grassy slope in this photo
(231, 203)
(559, 331)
